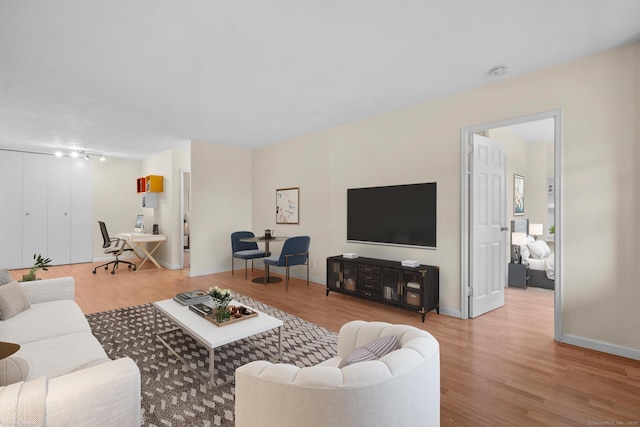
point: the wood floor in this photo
(501, 369)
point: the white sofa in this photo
(70, 380)
(402, 388)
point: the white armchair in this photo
(402, 388)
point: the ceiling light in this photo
(75, 154)
(500, 70)
(103, 158)
(58, 153)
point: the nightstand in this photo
(518, 275)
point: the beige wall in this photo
(598, 97)
(220, 203)
(537, 173)
(167, 215)
(114, 199)
(533, 161)
(117, 203)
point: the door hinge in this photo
(469, 291)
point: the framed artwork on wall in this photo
(288, 205)
(518, 195)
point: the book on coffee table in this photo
(192, 297)
(201, 309)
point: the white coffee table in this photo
(212, 336)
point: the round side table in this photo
(7, 349)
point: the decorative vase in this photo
(29, 277)
(222, 313)
(221, 299)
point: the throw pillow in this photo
(539, 249)
(15, 370)
(13, 300)
(371, 351)
(5, 277)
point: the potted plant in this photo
(221, 299)
(39, 263)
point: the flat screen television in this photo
(397, 215)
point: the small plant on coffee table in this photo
(221, 299)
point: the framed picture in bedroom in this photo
(518, 194)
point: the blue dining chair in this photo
(244, 250)
(295, 251)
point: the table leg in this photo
(266, 279)
(279, 343)
(212, 366)
(149, 256)
(133, 250)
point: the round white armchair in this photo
(401, 388)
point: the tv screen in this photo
(397, 214)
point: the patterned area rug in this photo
(171, 394)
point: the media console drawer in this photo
(415, 289)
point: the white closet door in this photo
(34, 207)
(11, 211)
(59, 213)
(82, 212)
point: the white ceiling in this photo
(132, 78)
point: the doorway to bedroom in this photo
(185, 221)
(531, 148)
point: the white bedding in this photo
(546, 265)
(539, 256)
(537, 264)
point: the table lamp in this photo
(517, 240)
(535, 230)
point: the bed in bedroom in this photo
(537, 254)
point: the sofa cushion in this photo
(59, 355)
(5, 277)
(44, 320)
(13, 300)
(16, 369)
(371, 351)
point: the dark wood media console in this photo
(386, 282)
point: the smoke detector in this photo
(500, 70)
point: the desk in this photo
(266, 279)
(135, 241)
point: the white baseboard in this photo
(630, 353)
(451, 312)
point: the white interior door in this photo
(81, 202)
(488, 226)
(11, 211)
(59, 210)
(34, 207)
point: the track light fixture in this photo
(81, 154)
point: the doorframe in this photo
(182, 211)
(465, 234)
